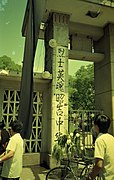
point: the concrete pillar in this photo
(104, 74)
(56, 62)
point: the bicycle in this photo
(66, 171)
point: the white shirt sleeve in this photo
(99, 148)
(11, 145)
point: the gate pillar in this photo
(104, 74)
(56, 62)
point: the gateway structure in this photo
(79, 30)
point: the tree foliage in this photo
(81, 89)
(7, 64)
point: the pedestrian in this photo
(12, 157)
(104, 149)
(4, 137)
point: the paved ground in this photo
(34, 173)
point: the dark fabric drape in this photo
(26, 88)
(34, 14)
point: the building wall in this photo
(9, 106)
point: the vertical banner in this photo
(26, 89)
(33, 18)
(61, 55)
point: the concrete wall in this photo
(10, 82)
(104, 74)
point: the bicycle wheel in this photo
(60, 173)
(85, 172)
(70, 176)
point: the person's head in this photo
(2, 125)
(101, 123)
(16, 127)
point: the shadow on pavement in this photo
(34, 173)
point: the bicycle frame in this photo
(66, 171)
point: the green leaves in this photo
(81, 89)
(62, 141)
(57, 152)
(58, 149)
(7, 64)
(67, 145)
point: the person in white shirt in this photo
(12, 158)
(104, 149)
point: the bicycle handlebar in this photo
(88, 160)
(85, 160)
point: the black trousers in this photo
(3, 178)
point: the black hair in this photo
(16, 126)
(2, 125)
(103, 122)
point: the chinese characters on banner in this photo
(60, 86)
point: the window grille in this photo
(10, 112)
